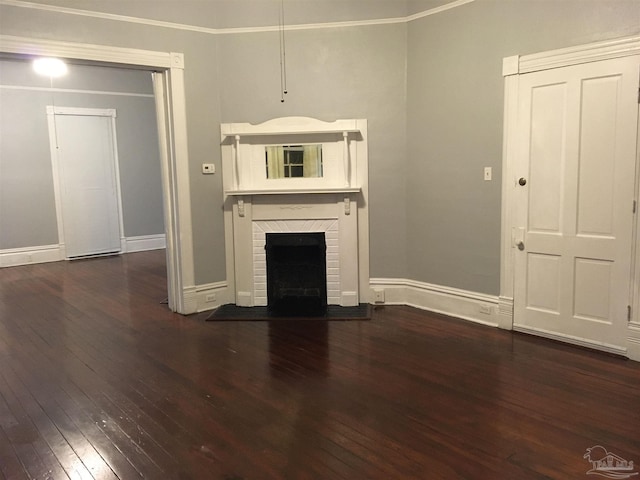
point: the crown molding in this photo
(313, 26)
(106, 16)
(440, 9)
(233, 30)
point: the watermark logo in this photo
(607, 464)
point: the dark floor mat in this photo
(334, 312)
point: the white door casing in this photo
(87, 187)
(576, 150)
(172, 132)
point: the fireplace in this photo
(333, 202)
(296, 273)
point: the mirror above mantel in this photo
(293, 161)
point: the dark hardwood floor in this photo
(99, 380)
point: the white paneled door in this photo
(577, 154)
(89, 199)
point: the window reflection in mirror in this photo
(294, 161)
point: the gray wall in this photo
(333, 74)
(431, 90)
(27, 205)
(202, 105)
(455, 123)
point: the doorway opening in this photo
(168, 82)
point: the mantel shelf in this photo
(247, 133)
(292, 126)
(292, 191)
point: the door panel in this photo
(597, 147)
(592, 300)
(544, 283)
(577, 149)
(546, 167)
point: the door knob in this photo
(520, 245)
(522, 182)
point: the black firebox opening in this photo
(296, 273)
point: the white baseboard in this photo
(349, 299)
(12, 257)
(201, 298)
(633, 342)
(615, 349)
(505, 313)
(473, 306)
(144, 243)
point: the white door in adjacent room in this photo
(84, 145)
(578, 130)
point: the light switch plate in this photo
(208, 168)
(487, 173)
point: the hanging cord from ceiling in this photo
(283, 53)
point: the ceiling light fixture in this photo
(50, 67)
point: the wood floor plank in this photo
(11, 465)
(69, 402)
(34, 368)
(48, 459)
(99, 380)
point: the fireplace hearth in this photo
(296, 273)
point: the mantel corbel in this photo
(347, 206)
(241, 207)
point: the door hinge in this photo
(635, 202)
(628, 313)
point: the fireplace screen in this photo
(296, 273)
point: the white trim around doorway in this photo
(513, 67)
(172, 130)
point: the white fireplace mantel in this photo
(245, 144)
(336, 205)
